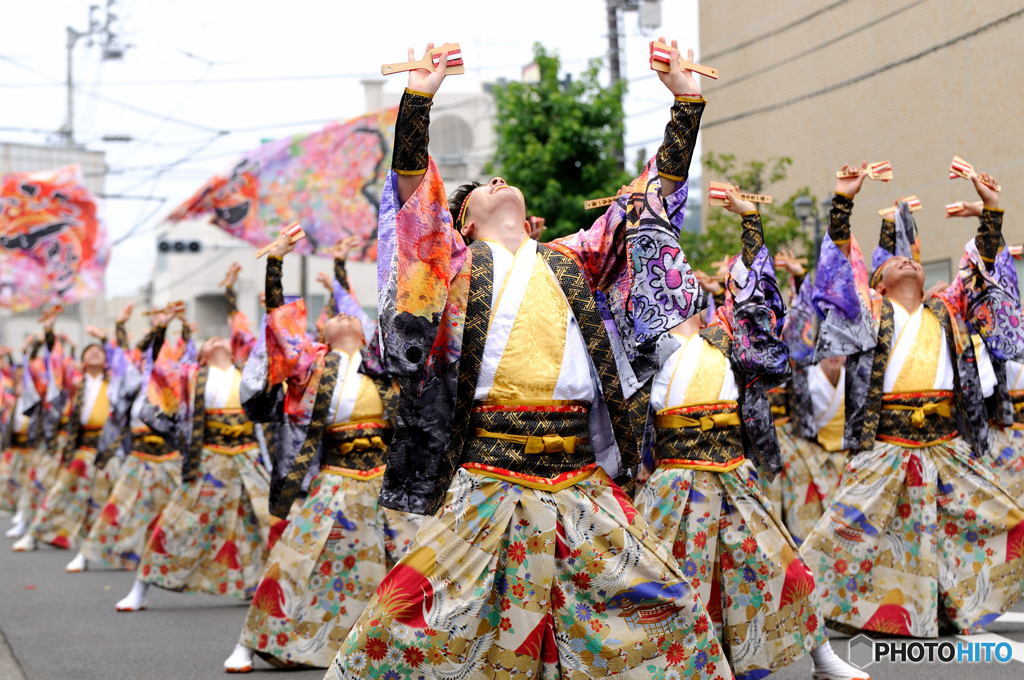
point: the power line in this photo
(811, 50)
(479, 100)
(758, 38)
(131, 170)
(162, 169)
(842, 84)
(211, 81)
(775, 31)
(42, 131)
(174, 284)
(269, 79)
(868, 74)
(152, 134)
(109, 100)
(131, 197)
(156, 177)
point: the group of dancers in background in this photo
(572, 459)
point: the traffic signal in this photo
(168, 247)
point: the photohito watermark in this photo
(864, 651)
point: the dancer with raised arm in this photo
(14, 437)
(212, 535)
(919, 539)
(47, 395)
(534, 561)
(66, 513)
(339, 542)
(714, 436)
(1002, 382)
(805, 415)
(150, 464)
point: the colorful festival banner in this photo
(53, 247)
(329, 181)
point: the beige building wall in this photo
(927, 80)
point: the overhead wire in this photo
(747, 42)
(816, 48)
(869, 74)
(142, 218)
(163, 121)
(945, 44)
(109, 100)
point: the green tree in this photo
(557, 141)
(720, 237)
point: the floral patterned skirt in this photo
(44, 465)
(508, 581)
(73, 501)
(14, 466)
(915, 536)
(801, 491)
(212, 535)
(1006, 460)
(337, 548)
(141, 489)
(744, 564)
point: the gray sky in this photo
(199, 67)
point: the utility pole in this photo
(113, 49)
(304, 276)
(614, 64)
(650, 19)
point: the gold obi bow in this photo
(548, 443)
(228, 430)
(706, 422)
(918, 414)
(363, 444)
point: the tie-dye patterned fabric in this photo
(916, 537)
(338, 546)
(143, 486)
(328, 180)
(512, 582)
(54, 244)
(212, 535)
(744, 565)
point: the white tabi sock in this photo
(135, 600)
(828, 666)
(77, 564)
(26, 543)
(18, 526)
(240, 660)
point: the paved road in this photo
(63, 627)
